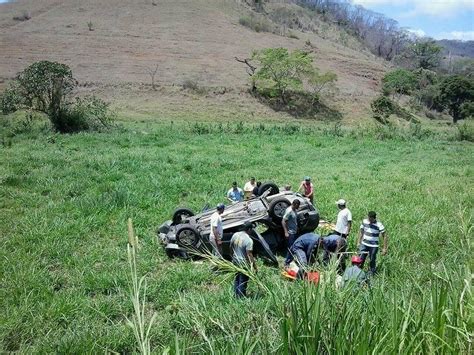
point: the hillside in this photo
(186, 40)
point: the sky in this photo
(440, 19)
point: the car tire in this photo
(179, 213)
(268, 185)
(187, 236)
(277, 208)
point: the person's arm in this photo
(228, 196)
(252, 260)
(361, 234)
(349, 226)
(285, 228)
(300, 188)
(385, 243)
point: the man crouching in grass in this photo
(242, 256)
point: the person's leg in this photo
(236, 284)
(341, 256)
(215, 247)
(289, 257)
(373, 257)
(300, 256)
(244, 279)
(363, 254)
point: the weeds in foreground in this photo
(139, 323)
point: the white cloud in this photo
(459, 35)
(417, 32)
(443, 8)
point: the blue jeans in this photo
(372, 253)
(291, 240)
(240, 285)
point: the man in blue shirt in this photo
(334, 245)
(304, 248)
(235, 194)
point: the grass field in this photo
(65, 201)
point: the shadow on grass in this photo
(299, 105)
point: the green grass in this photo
(65, 201)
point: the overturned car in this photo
(187, 233)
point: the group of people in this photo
(251, 189)
(304, 248)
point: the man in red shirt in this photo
(307, 188)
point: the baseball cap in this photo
(307, 178)
(341, 202)
(220, 206)
(356, 259)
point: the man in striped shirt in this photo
(370, 232)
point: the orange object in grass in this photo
(313, 277)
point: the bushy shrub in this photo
(258, 24)
(46, 87)
(465, 131)
(382, 107)
(88, 113)
(10, 100)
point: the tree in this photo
(424, 54)
(457, 95)
(319, 82)
(281, 71)
(399, 82)
(44, 86)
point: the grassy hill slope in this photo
(188, 40)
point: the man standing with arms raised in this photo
(290, 227)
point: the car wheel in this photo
(278, 207)
(268, 185)
(181, 214)
(187, 236)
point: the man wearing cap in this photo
(248, 188)
(354, 274)
(235, 194)
(242, 256)
(303, 250)
(215, 237)
(368, 242)
(344, 219)
(290, 227)
(307, 188)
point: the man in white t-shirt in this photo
(217, 230)
(248, 188)
(344, 219)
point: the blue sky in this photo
(451, 19)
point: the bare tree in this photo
(152, 72)
(250, 70)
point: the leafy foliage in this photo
(424, 54)
(399, 82)
(456, 91)
(382, 107)
(47, 87)
(281, 71)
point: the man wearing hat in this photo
(242, 256)
(354, 274)
(307, 188)
(370, 231)
(344, 219)
(215, 237)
